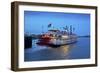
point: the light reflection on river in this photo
(79, 50)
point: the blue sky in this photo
(34, 21)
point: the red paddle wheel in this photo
(44, 39)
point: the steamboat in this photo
(55, 37)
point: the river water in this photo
(78, 50)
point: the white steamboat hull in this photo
(59, 42)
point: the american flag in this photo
(49, 25)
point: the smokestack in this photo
(70, 29)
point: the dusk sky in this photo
(35, 22)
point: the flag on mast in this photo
(49, 25)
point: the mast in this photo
(70, 29)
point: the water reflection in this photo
(73, 51)
(62, 51)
